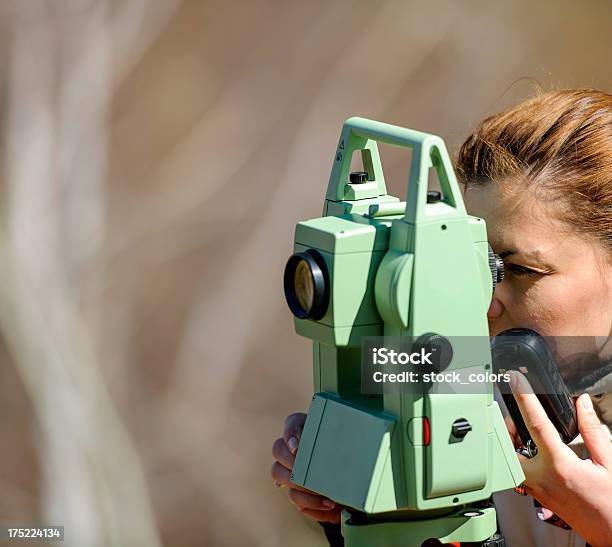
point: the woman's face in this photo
(556, 282)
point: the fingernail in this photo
(329, 504)
(544, 514)
(587, 404)
(514, 379)
(293, 444)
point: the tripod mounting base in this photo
(467, 524)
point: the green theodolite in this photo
(408, 466)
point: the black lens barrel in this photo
(320, 282)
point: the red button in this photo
(426, 432)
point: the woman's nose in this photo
(495, 309)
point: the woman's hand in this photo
(578, 491)
(284, 449)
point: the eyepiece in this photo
(306, 284)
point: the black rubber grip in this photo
(528, 352)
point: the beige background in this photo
(155, 156)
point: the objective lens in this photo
(304, 287)
(306, 284)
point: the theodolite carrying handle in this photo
(427, 151)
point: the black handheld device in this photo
(524, 350)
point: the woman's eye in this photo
(520, 271)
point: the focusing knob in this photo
(496, 265)
(433, 196)
(358, 177)
(499, 263)
(461, 428)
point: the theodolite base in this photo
(477, 526)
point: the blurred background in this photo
(155, 157)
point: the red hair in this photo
(559, 144)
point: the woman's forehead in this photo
(502, 212)
(517, 223)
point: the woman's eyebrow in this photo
(532, 254)
(537, 255)
(507, 253)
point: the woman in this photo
(540, 174)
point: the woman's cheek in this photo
(542, 308)
(552, 305)
(565, 307)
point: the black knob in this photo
(495, 541)
(440, 350)
(434, 196)
(461, 428)
(358, 177)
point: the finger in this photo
(294, 424)
(510, 425)
(282, 476)
(307, 500)
(596, 438)
(513, 431)
(542, 430)
(281, 453)
(323, 516)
